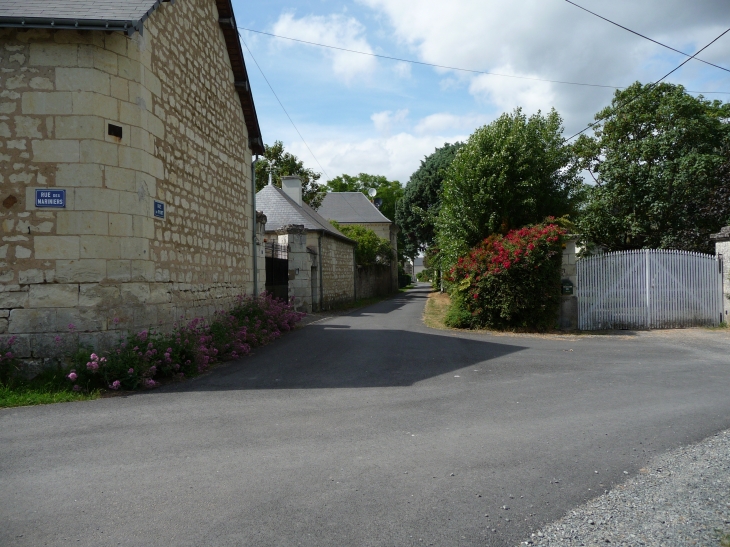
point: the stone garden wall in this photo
(105, 263)
(338, 272)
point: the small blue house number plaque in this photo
(50, 198)
(159, 209)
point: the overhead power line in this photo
(646, 37)
(649, 87)
(469, 70)
(282, 105)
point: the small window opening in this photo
(115, 130)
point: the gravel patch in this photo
(680, 499)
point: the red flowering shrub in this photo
(509, 282)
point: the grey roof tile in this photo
(105, 10)
(281, 210)
(350, 207)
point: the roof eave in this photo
(129, 26)
(227, 21)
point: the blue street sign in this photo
(159, 209)
(50, 198)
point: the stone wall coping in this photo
(722, 235)
(291, 229)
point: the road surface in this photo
(366, 429)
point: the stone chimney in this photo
(292, 187)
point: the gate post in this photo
(647, 266)
(294, 236)
(569, 301)
(722, 250)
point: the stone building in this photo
(321, 259)
(127, 131)
(348, 208)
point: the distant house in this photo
(307, 258)
(349, 208)
(418, 266)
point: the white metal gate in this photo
(649, 289)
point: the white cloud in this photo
(336, 30)
(509, 93)
(340, 151)
(444, 122)
(556, 41)
(384, 121)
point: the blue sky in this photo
(363, 114)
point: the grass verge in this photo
(47, 388)
(437, 306)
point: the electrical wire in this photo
(282, 105)
(646, 37)
(648, 88)
(423, 63)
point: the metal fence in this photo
(649, 289)
(274, 250)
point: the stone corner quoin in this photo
(117, 123)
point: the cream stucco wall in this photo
(104, 263)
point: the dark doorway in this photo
(277, 270)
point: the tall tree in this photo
(282, 163)
(416, 213)
(656, 159)
(390, 191)
(513, 172)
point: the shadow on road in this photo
(338, 356)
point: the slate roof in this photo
(129, 16)
(350, 207)
(106, 10)
(124, 15)
(281, 211)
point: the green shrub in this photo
(371, 249)
(509, 282)
(458, 316)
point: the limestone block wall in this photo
(722, 247)
(338, 271)
(104, 263)
(374, 281)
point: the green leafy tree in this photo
(416, 213)
(371, 249)
(656, 159)
(282, 163)
(513, 172)
(390, 191)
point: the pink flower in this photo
(102, 360)
(77, 388)
(116, 384)
(72, 376)
(92, 366)
(131, 371)
(71, 327)
(150, 383)
(115, 320)
(94, 357)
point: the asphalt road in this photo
(363, 429)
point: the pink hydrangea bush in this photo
(144, 358)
